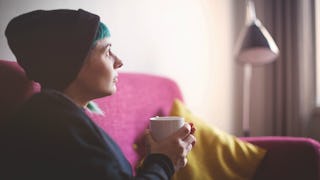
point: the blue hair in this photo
(102, 32)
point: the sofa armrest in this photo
(288, 158)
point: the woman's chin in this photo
(111, 91)
(106, 92)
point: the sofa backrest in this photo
(126, 113)
(288, 158)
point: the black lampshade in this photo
(255, 45)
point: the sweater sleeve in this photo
(158, 165)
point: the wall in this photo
(189, 41)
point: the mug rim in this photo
(166, 118)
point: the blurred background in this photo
(193, 42)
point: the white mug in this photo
(162, 127)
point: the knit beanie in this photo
(51, 45)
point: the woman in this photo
(50, 137)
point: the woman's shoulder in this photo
(50, 100)
(47, 110)
(51, 97)
(46, 104)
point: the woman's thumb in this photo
(148, 138)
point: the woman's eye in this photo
(108, 53)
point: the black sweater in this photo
(50, 137)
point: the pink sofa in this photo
(141, 96)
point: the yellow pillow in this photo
(217, 155)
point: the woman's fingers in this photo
(190, 139)
(193, 128)
(183, 132)
(176, 146)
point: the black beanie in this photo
(52, 45)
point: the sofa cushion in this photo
(217, 154)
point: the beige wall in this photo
(190, 41)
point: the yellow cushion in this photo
(217, 154)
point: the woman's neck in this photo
(76, 97)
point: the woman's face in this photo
(98, 76)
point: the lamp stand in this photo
(255, 46)
(247, 75)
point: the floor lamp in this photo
(255, 46)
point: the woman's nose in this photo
(117, 62)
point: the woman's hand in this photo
(176, 146)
